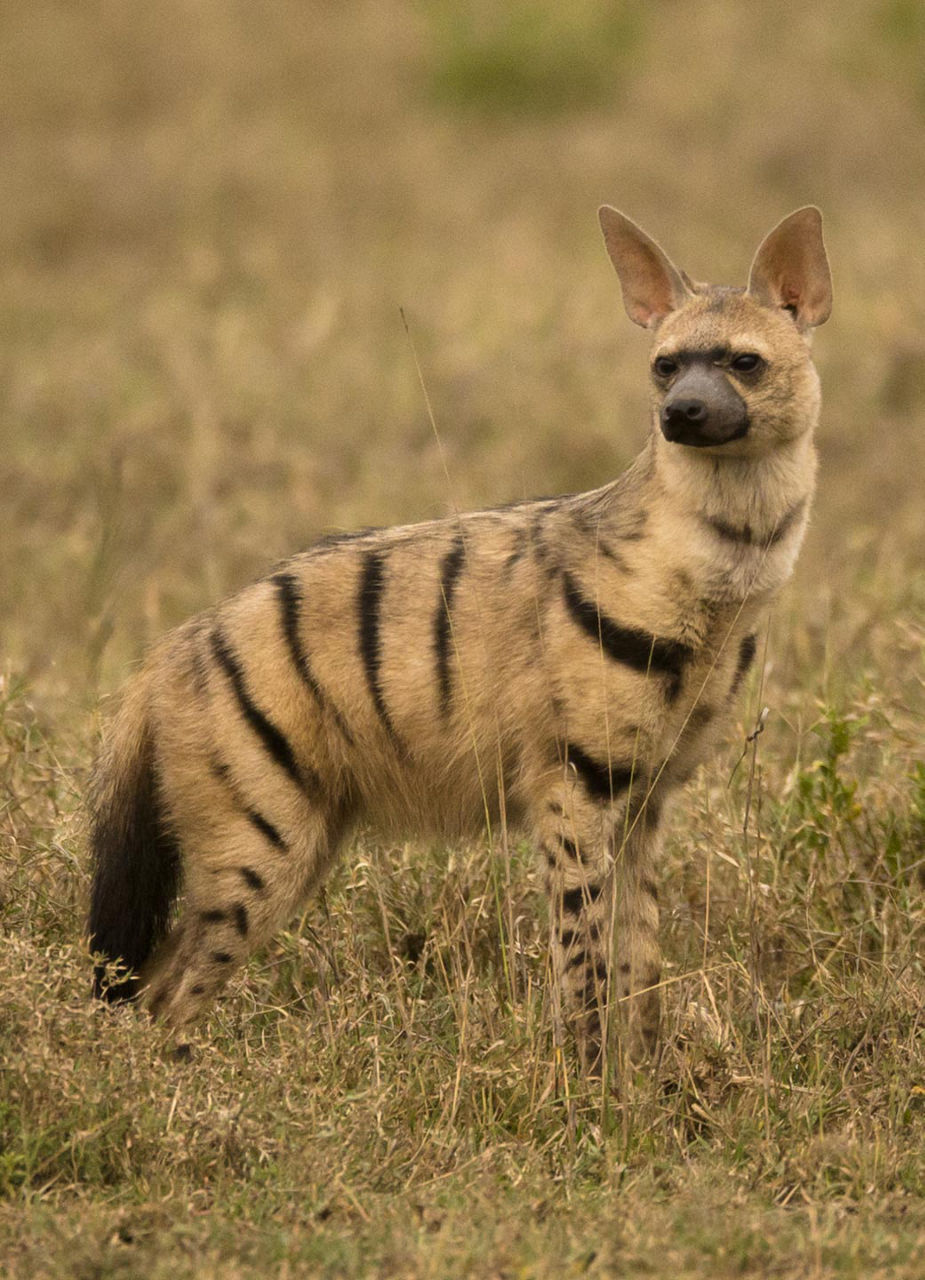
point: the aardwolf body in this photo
(564, 664)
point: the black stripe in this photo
(544, 555)
(699, 718)
(450, 570)
(601, 781)
(263, 825)
(575, 959)
(252, 878)
(239, 911)
(732, 532)
(592, 994)
(200, 671)
(631, 646)
(290, 604)
(369, 601)
(747, 650)
(570, 848)
(222, 957)
(520, 538)
(609, 553)
(646, 803)
(211, 917)
(574, 899)
(744, 534)
(273, 739)
(267, 829)
(566, 938)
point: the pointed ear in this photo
(652, 286)
(791, 270)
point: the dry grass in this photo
(209, 219)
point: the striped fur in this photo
(565, 663)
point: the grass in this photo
(207, 241)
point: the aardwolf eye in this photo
(747, 362)
(664, 366)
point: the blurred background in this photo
(214, 215)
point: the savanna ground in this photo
(211, 215)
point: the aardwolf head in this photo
(731, 370)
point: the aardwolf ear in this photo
(791, 270)
(652, 286)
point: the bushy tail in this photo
(136, 857)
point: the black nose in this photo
(677, 412)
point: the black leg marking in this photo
(570, 849)
(651, 888)
(274, 740)
(631, 646)
(747, 650)
(239, 911)
(369, 601)
(290, 604)
(574, 899)
(254, 880)
(645, 806)
(222, 957)
(591, 994)
(566, 938)
(197, 990)
(212, 917)
(602, 782)
(450, 570)
(577, 958)
(699, 718)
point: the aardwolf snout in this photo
(702, 409)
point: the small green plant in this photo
(528, 56)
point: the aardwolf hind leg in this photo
(237, 895)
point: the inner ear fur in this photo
(791, 269)
(652, 285)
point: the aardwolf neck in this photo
(759, 492)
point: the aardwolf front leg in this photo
(604, 917)
(637, 956)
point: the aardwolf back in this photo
(563, 664)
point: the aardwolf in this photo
(565, 664)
